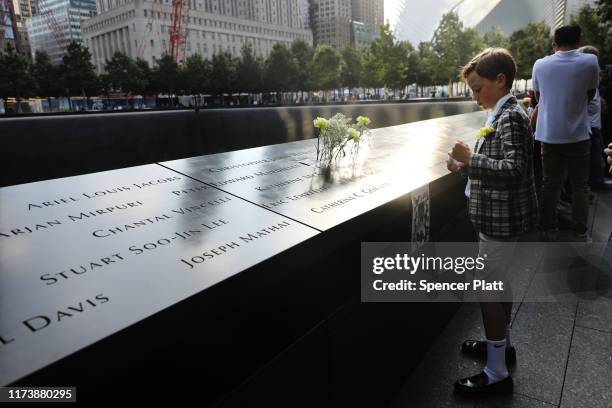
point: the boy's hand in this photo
(462, 153)
(453, 165)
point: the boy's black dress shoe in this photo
(478, 349)
(478, 386)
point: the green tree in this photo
(120, 72)
(280, 70)
(144, 78)
(165, 75)
(604, 11)
(495, 38)
(106, 86)
(44, 75)
(223, 74)
(15, 77)
(369, 78)
(326, 68)
(529, 44)
(303, 53)
(196, 73)
(351, 67)
(78, 73)
(447, 42)
(595, 31)
(422, 66)
(249, 71)
(471, 44)
(388, 57)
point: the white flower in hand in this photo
(453, 165)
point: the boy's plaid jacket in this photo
(503, 200)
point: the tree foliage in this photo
(495, 38)
(303, 53)
(223, 74)
(470, 44)
(351, 67)
(14, 74)
(121, 72)
(447, 45)
(144, 81)
(595, 31)
(386, 63)
(388, 58)
(529, 44)
(370, 65)
(249, 71)
(422, 65)
(165, 76)
(79, 75)
(44, 75)
(326, 67)
(281, 69)
(195, 74)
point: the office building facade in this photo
(509, 15)
(343, 22)
(141, 28)
(331, 22)
(57, 23)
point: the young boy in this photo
(502, 205)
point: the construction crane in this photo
(178, 31)
(49, 17)
(152, 25)
(8, 23)
(6, 18)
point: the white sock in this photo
(508, 343)
(496, 368)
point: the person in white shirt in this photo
(564, 84)
(594, 111)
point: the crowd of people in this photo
(524, 162)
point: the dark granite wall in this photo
(47, 147)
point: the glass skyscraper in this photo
(58, 19)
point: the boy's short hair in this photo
(490, 63)
(568, 35)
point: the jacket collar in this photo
(505, 102)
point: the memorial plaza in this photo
(241, 269)
(306, 203)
